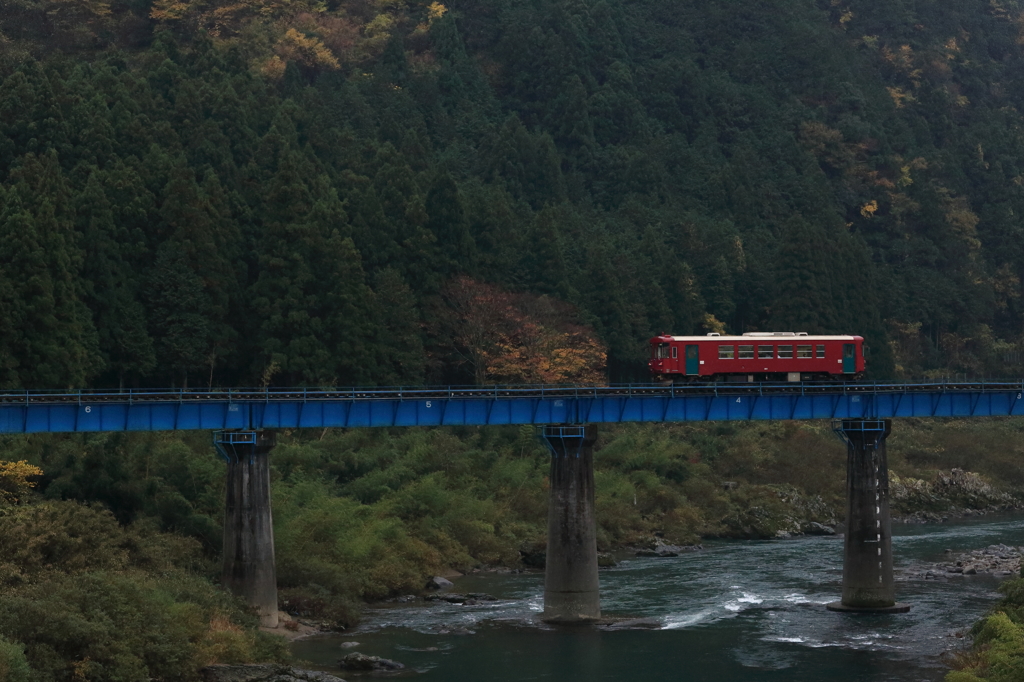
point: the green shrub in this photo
(85, 598)
(13, 665)
(128, 625)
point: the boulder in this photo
(815, 528)
(439, 583)
(358, 661)
(263, 673)
(606, 561)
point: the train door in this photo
(849, 358)
(692, 360)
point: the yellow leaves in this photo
(712, 324)
(905, 179)
(14, 483)
(435, 11)
(868, 210)
(842, 15)
(99, 8)
(900, 96)
(170, 10)
(380, 26)
(306, 50)
(902, 59)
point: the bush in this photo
(998, 653)
(129, 626)
(85, 598)
(13, 665)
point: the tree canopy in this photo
(194, 193)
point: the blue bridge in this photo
(245, 421)
(252, 409)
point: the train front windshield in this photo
(661, 351)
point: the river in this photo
(738, 610)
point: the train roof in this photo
(755, 337)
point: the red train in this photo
(757, 356)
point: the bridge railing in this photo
(497, 392)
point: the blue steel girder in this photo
(219, 409)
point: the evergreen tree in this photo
(401, 359)
(179, 314)
(110, 287)
(803, 301)
(310, 298)
(49, 341)
(446, 219)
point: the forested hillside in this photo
(196, 192)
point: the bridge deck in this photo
(247, 408)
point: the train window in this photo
(675, 352)
(746, 352)
(803, 351)
(725, 352)
(848, 350)
(765, 352)
(819, 351)
(785, 351)
(662, 351)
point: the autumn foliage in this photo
(511, 338)
(14, 480)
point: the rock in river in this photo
(263, 673)
(358, 661)
(438, 583)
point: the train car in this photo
(757, 356)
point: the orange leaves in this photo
(534, 354)
(520, 338)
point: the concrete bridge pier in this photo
(249, 570)
(571, 593)
(867, 559)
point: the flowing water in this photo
(751, 611)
